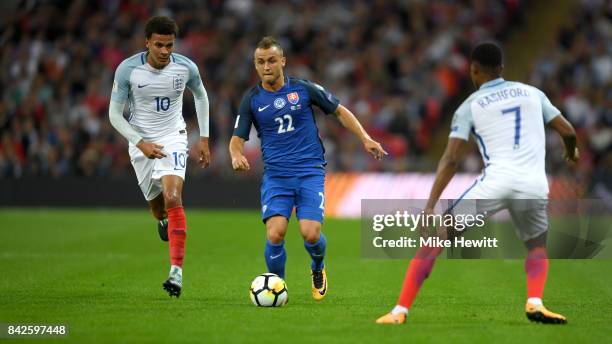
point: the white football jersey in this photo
(155, 96)
(507, 120)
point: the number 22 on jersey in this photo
(282, 128)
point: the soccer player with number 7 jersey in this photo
(280, 108)
(507, 120)
(152, 83)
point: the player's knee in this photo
(276, 228)
(311, 234)
(276, 232)
(275, 236)
(172, 199)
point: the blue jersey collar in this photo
(492, 83)
(286, 84)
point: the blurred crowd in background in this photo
(401, 66)
(576, 75)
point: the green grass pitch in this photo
(100, 272)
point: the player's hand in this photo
(240, 163)
(151, 150)
(204, 152)
(374, 148)
(572, 158)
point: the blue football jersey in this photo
(286, 126)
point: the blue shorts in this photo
(279, 194)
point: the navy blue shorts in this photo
(280, 194)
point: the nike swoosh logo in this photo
(274, 257)
(141, 86)
(260, 109)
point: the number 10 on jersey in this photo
(163, 103)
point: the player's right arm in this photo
(554, 119)
(242, 128)
(449, 163)
(121, 87)
(447, 167)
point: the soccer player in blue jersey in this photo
(152, 83)
(280, 108)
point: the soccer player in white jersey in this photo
(507, 120)
(152, 83)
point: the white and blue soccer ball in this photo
(268, 290)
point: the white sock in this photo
(535, 301)
(399, 309)
(176, 268)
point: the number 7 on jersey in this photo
(517, 124)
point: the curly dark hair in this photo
(161, 26)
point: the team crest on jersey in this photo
(179, 82)
(279, 103)
(293, 98)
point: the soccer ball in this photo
(268, 290)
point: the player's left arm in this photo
(554, 119)
(326, 101)
(200, 97)
(349, 121)
(568, 134)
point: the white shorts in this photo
(150, 171)
(529, 211)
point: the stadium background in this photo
(400, 66)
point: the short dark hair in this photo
(269, 42)
(488, 55)
(161, 25)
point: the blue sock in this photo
(317, 252)
(276, 256)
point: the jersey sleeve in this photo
(121, 84)
(322, 98)
(200, 96)
(462, 121)
(242, 126)
(194, 81)
(549, 111)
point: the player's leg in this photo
(310, 204)
(275, 253)
(422, 264)
(169, 173)
(531, 220)
(418, 270)
(158, 209)
(277, 200)
(314, 242)
(151, 188)
(172, 187)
